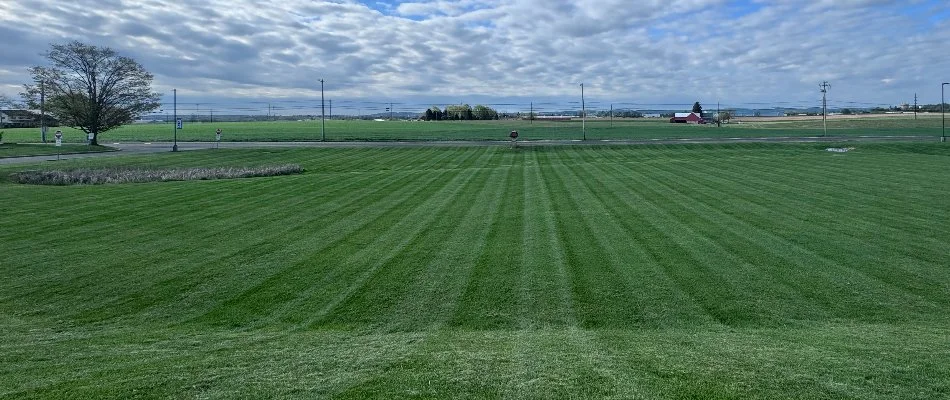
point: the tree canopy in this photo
(91, 88)
(697, 108)
(723, 116)
(460, 112)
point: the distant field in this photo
(597, 129)
(924, 125)
(691, 271)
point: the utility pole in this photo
(718, 116)
(583, 114)
(331, 108)
(323, 118)
(915, 106)
(390, 111)
(824, 105)
(531, 114)
(943, 114)
(211, 115)
(611, 115)
(43, 109)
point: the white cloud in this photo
(651, 51)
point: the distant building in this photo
(17, 118)
(551, 117)
(23, 119)
(687, 118)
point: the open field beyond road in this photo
(596, 129)
(701, 271)
(840, 117)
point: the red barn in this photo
(687, 118)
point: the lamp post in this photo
(43, 109)
(323, 118)
(175, 117)
(583, 114)
(943, 114)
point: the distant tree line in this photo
(459, 112)
(619, 113)
(930, 108)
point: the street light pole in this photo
(175, 117)
(323, 119)
(583, 114)
(43, 109)
(943, 114)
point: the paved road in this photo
(160, 147)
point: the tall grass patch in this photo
(137, 175)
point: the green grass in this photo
(36, 149)
(903, 125)
(690, 271)
(597, 129)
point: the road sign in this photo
(178, 123)
(59, 138)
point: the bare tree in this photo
(91, 88)
(6, 102)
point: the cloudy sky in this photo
(644, 52)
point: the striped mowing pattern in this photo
(658, 271)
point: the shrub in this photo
(118, 175)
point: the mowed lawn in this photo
(688, 271)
